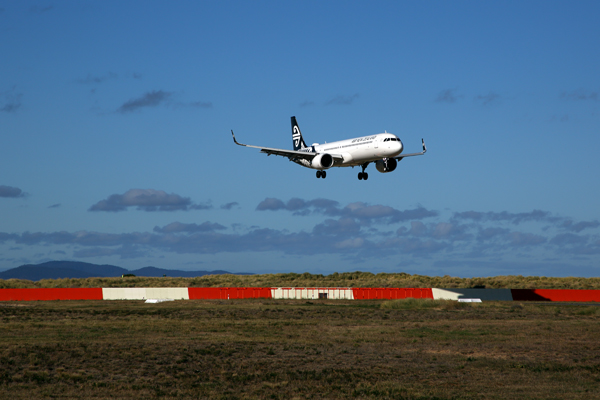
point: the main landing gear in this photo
(363, 175)
(322, 174)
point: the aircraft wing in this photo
(291, 154)
(401, 156)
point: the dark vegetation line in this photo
(346, 279)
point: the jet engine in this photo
(322, 161)
(386, 164)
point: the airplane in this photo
(383, 149)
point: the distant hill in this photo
(76, 269)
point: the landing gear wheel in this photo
(318, 174)
(363, 175)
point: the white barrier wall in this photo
(124, 293)
(145, 293)
(168, 293)
(312, 293)
(483, 294)
(302, 293)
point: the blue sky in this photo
(115, 122)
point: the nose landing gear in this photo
(322, 174)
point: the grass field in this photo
(346, 279)
(291, 349)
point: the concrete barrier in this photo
(168, 293)
(312, 293)
(145, 293)
(575, 295)
(391, 293)
(229, 293)
(483, 294)
(565, 295)
(51, 294)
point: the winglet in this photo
(236, 142)
(423, 141)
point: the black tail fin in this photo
(297, 136)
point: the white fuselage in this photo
(359, 150)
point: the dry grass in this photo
(285, 349)
(347, 279)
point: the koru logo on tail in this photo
(296, 135)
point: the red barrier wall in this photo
(229, 293)
(555, 295)
(51, 294)
(254, 293)
(392, 293)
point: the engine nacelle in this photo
(386, 165)
(322, 161)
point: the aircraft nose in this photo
(400, 146)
